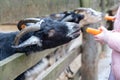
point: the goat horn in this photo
(24, 31)
(35, 19)
(28, 29)
(21, 23)
(67, 18)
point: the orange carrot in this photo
(109, 18)
(93, 31)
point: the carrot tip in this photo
(109, 18)
(93, 31)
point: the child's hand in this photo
(102, 37)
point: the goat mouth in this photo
(76, 33)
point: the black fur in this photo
(75, 17)
(59, 38)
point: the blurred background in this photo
(14, 10)
(11, 11)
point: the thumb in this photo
(102, 36)
(103, 29)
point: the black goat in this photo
(42, 35)
(39, 34)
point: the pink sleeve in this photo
(109, 37)
(114, 37)
(114, 41)
(117, 20)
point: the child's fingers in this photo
(103, 29)
(97, 38)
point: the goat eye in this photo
(51, 33)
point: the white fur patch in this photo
(31, 41)
(70, 27)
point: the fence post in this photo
(89, 68)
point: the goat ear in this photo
(33, 40)
(23, 23)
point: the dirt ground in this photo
(8, 28)
(104, 61)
